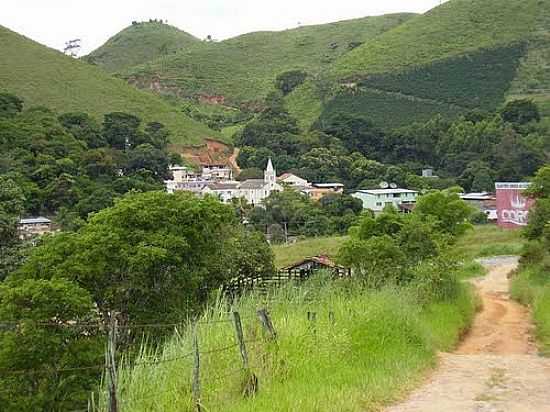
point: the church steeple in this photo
(270, 176)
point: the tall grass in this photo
(532, 287)
(488, 240)
(377, 345)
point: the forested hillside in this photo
(42, 76)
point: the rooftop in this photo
(386, 191)
(252, 184)
(328, 185)
(34, 220)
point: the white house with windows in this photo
(377, 199)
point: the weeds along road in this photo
(496, 367)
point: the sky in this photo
(53, 22)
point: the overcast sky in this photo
(52, 22)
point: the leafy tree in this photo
(84, 128)
(377, 261)
(121, 130)
(447, 208)
(38, 353)
(288, 81)
(520, 112)
(10, 105)
(152, 257)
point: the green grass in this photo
(139, 44)
(287, 254)
(244, 68)
(42, 76)
(531, 287)
(488, 240)
(379, 346)
(457, 27)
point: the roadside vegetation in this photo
(374, 335)
(531, 285)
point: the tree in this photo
(288, 81)
(448, 210)
(44, 340)
(10, 105)
(153, 257)
(540, 184)
(121, 130)
(83, 127)
(376, 262)
(520, 112)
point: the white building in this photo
(34, 226)
(377, 199)
(291, 180)
(256, 190)
(180, 176)
(217, 172)
(224, 190)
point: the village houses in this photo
(218, 180)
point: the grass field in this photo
(43, 76)
(141, 43)
(489, 240)
(483, 241)
(376, 346)
(288, 254)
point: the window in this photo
(379, 204)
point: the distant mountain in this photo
(243, 69)
(140, 43)
(463, 55)
(42, 76)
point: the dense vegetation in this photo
(153, 258)
(531, 286)
(42, 76)
(403, 304)
(474, 150)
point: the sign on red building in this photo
(512, 206)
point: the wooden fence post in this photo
(267, 324)
(312, 317)
(111, 364)
(240, 338)
(196, 385)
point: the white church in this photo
(254, 191)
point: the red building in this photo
(512, 206)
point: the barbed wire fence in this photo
(109, 366)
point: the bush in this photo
(479, 218)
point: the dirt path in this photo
(496, 368)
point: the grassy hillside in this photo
(455, 28)
(140, 43)
(464, 54)
(42, 76)
(244, 68)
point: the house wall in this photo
(377, 202)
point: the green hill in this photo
(243, 69)
(140, 43)
(462, 55)
(42, 76)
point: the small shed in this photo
(306, 267)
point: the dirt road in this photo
(496, 368)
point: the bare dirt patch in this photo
(495, 369)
